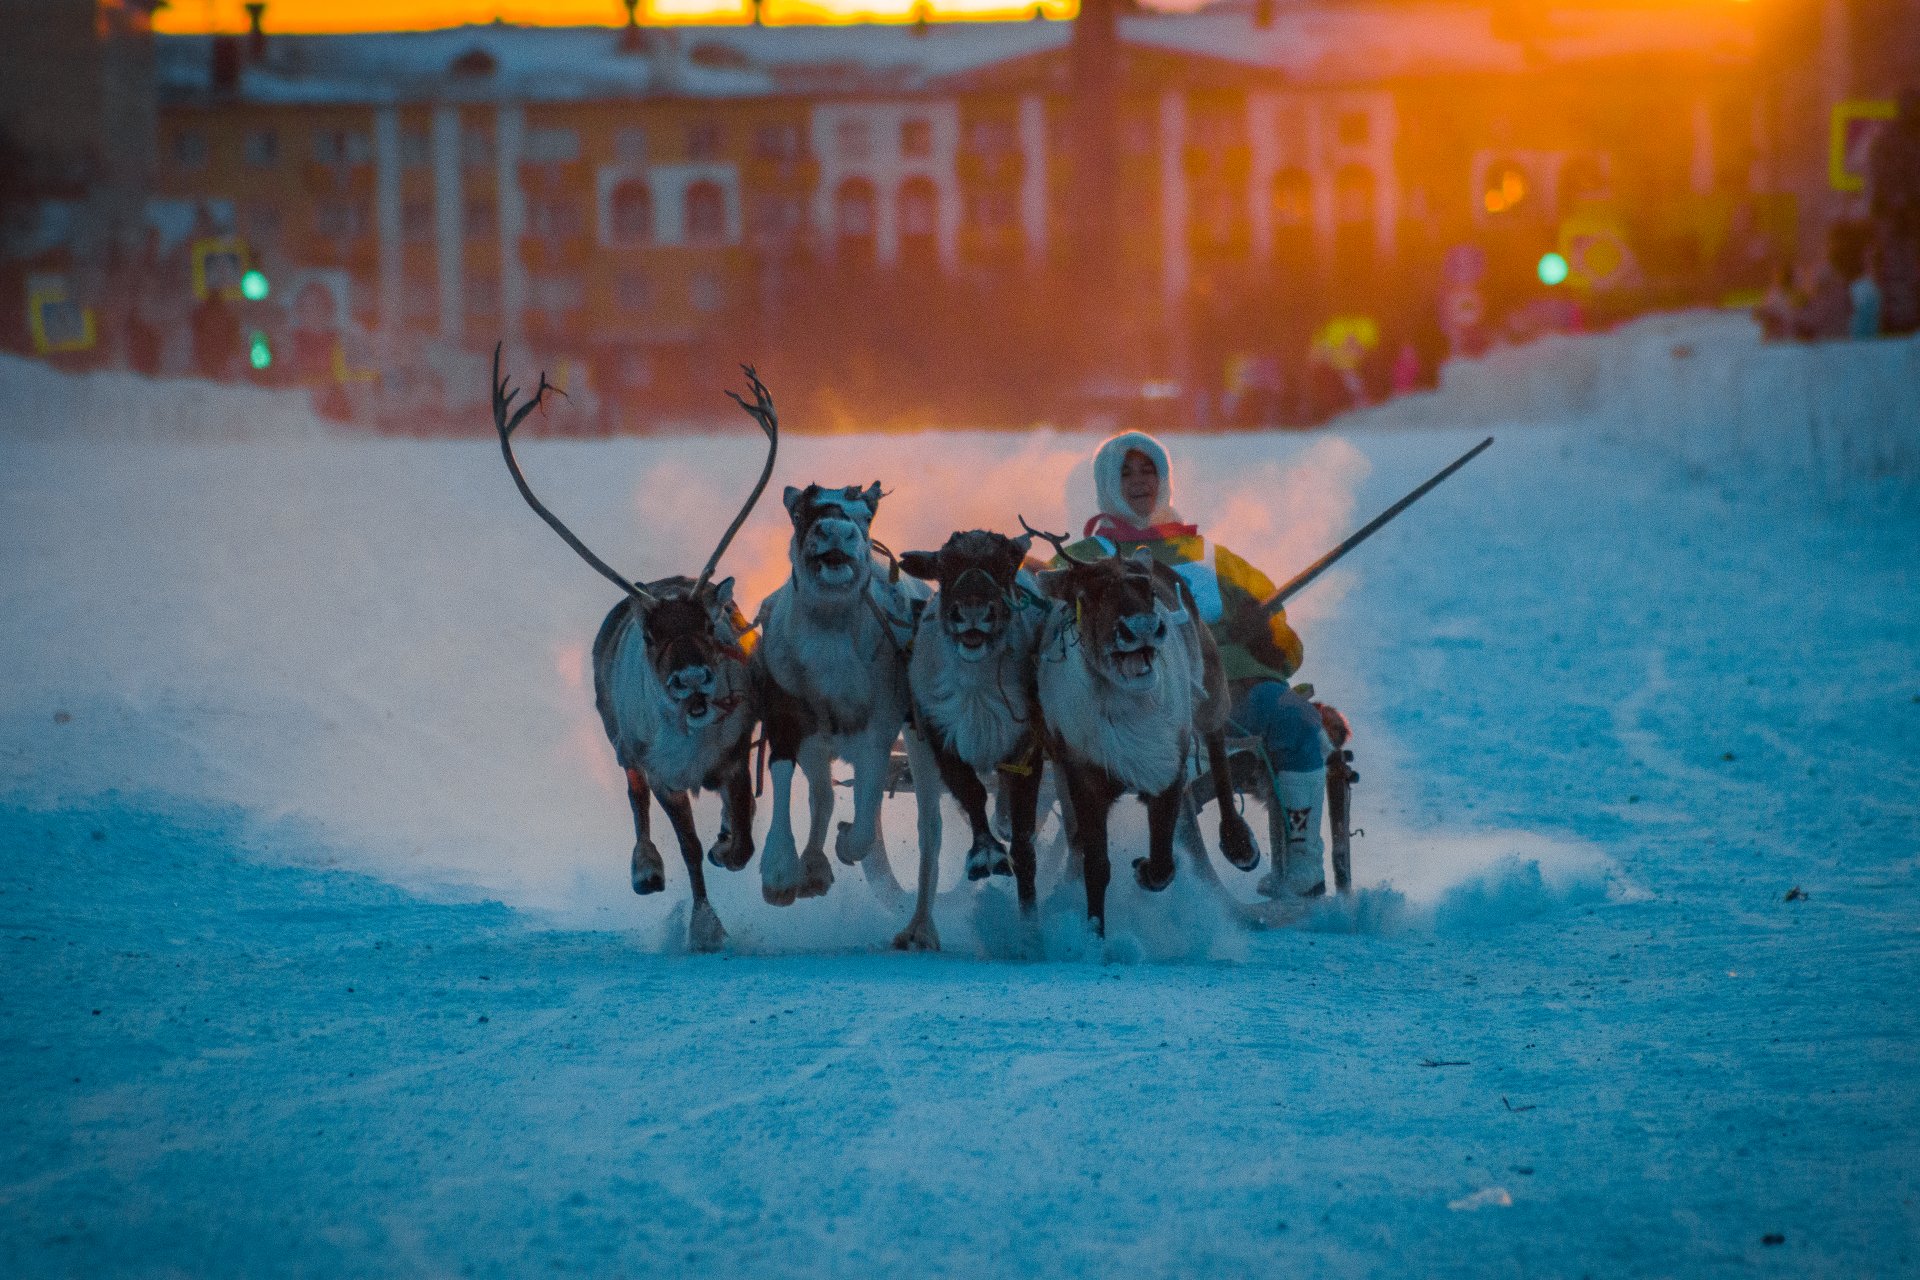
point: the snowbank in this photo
(44, 403)
(1703, 387)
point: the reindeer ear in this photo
(872, 496)
(792, 498)
(924, 565)
(723, 593)
(1022, 544)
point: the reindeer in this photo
(1127, 677)
(830, 680)
(670, 681)
(971, 679)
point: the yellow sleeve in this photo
(1243, 589)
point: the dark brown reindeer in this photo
(1127, 676)
(670, 682)
(971, 680)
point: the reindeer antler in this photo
(1059, 541)
(504, 395)
(762, 412)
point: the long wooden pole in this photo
(1293, 585)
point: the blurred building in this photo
(653, 201)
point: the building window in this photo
(704, 292)
(776, 142)
(262, 221)
(555, 219)
(340, 219)
(1353, 195)
(1292, 199)
(476, 149)
(341, 147)
(190, 150)
(483, 295)
(552, 146)
(634, 371)
(706, 212)
(416, 221)
(632, 292)
(630, 212)
(990, 137)
(853, 139)
(990, 210)
(1353, 128)
(853, 220)
(916, 138)
(263, 148)
(416, 149)
(630, 145)
(776, 218)
(703, 140)
(1505, 190)
(919, 208)
(479, 219)
(556, 293)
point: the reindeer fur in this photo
(1107, 738)
(830, 679)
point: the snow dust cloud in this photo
(374, 645)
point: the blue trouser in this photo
(1286, 723)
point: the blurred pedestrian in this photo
(1893, 202)
(1864, 295)
(1406, 368)
(1776, 311)
(216, 336)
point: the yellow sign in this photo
(1856, 124)
(219, 262)
(57, 320)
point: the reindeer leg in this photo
(649, 872)
(734, 849)
(1236, 838)
(1023, 794)
(1155, 871)
(779, 862)
(920, 935)
(816, 762)
(1091, 800)
(987, 856)
(870, 758)
(703, 928)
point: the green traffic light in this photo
(1552, 269)
(253, 286)
(259, 354)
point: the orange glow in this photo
(188, 17)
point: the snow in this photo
(302, 792)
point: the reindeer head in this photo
(1120, 615)
(976, 572)
(691, 626)
(832, 549)
(693, 644)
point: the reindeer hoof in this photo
(729, 854)
(779, 895)
(703, 931)
(919, 935)
(816, 874)
(988, 858)
(844, 848)
(649, 873)
(1153, 879)
(1237, 846)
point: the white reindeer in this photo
(830, 681)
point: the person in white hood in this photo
(1259, 651)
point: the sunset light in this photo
(189, 17)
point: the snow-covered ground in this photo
(319, 958)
